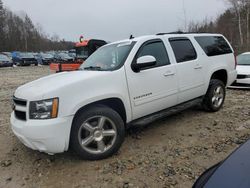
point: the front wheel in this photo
(97, 133)
(215, 96)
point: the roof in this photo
(245, 53)
(168, 35)
(83, 43)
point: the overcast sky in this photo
(114, 19)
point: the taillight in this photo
(235, 61)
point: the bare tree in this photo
(237, 6)
(185, 15)
(20, 34)
(1, 24)
(246, 4)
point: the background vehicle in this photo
(231, 173)
(24, 58)
(243, 71)
(83, 50)
(5, 61)
(124, 83)
(72, 53)
(44, 58)
(87, 47)
(8, 54)
(63, 57)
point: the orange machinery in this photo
(84, 49)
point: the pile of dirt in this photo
(171, 152)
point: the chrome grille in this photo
(19, 107)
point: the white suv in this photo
(121, 84)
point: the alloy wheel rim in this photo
(218, 97)
(97, 134)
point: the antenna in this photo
(131, 37)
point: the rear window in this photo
(214, 45)
(183, 49)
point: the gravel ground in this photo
(168, 153)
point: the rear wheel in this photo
(97, 133)
(215, 96)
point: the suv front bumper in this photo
(49, 136)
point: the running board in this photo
(164, 113)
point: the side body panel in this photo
(153, 89)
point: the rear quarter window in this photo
(214, 45)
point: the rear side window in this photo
(157, 50)
(183, 49)
(214, 45)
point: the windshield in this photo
(27, 55)
(243, 59)
(64, 55)
(109, 57)
(82, 52)
(4, 58)
(43, 55)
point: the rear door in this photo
(189, 69)
(153, 88)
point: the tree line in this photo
(234, 23)
(20, 34)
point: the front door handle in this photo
(198, 67)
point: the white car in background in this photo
(243, 71)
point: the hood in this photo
(243, 69)
(37, 90)
(47, 58)
(234, 171)
(68, 58)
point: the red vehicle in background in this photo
(84, 49)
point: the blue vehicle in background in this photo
(24, 59)
(44, 58)
(5, 61)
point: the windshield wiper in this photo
(92, 68)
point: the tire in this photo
(215, 96)
(97, 133)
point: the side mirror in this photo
(143, 62)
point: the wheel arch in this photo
(114, 103)
(221, 75)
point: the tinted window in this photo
(214, 45)
(157, 50)
(183, 50)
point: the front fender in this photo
(101, 98)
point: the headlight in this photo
(44, 109)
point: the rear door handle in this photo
(169, 73)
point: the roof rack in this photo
(175, 32)
(179, 32)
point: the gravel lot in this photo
(168, 153)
